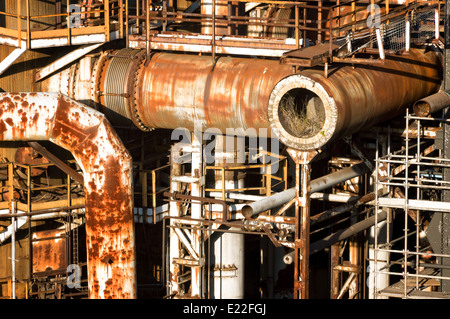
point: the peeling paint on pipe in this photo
(107, 168)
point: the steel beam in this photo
(11, 58)
(65, 60)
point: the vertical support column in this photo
(13, 249)
(28, 25)
(302, 160)
(107, 21)
(445, 218)
(197, 172)
(174, 211)
(19, 25)
(354, 252)
(228, 248)
(215, 9)
(335, 274)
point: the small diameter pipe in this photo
(13, 250)
(339, 236)
(380, 44)
(436, 24)
(432, 104)
(317, 185)
(408, 35)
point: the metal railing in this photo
(31, 195)
(151, 193)
(70, 20)
(282, 26)
(212, 26)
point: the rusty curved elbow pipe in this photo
(107, 168)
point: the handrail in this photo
(111, 10)
(28, 184)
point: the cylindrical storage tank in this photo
(228, 271)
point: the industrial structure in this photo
(212, 149)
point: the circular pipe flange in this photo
(301, 113)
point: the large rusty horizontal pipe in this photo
(317, 185)
(305, 110)
(107, 169)
(175, 90)
(350, 98)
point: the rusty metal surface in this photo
(183, 90)
(302, 215)
(180, 90)
(432, 103)
(49, 253)
(173, 91)
(106, 166)
(28, 156)
(220, 8)
(356, 97)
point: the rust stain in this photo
(49, 254)
(177, 90)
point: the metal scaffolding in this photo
(408, 254)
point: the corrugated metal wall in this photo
(19, 77)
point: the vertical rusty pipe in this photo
(302, 213)
(106, 166)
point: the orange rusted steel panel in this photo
(107, 168)
(49, 253)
